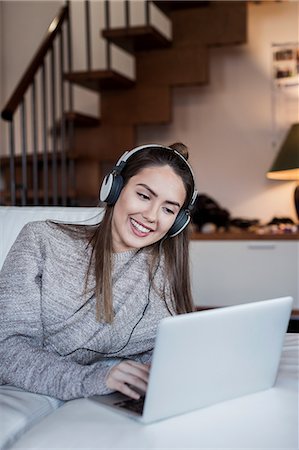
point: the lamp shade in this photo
(286, 164)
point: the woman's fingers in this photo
(128, 375)
(135, 367)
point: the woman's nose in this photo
(150, 214)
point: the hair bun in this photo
(180, 148)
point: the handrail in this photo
(36, 62)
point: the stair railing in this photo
(44, 112)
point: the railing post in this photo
(34, 134)
(63, 173)
(70, 127)
(54, 130)
(147, 12)
(69, 58)
(107, 26)
(127, 13)
(88, 38)
(24, 152)
(12, 163)
(45, 139)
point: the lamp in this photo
(286, 164)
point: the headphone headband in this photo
(127, 155)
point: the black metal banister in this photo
(44, 131)
(107, 26)
(62, 125)
(147, 13)
(69, 62)
(12, 162)
(24, 152)
(127, 13)
(88, 37)
(54, 128)
(38, 174)
(34, 134)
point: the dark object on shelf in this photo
(243, 224)
(293, 325)
(207, 210)
(280, 220)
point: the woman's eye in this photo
(143, 196)
(168, 211)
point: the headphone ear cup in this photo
(181, 221)
(106, 187)
(111, 188)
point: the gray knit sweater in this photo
(50, 340)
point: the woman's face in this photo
(146, 208)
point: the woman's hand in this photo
(128, 375)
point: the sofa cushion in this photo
(20, 410)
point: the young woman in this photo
(80, 305)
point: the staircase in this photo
(161, 64)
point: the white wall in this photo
(227, 124)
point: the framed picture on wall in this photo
(286, 64)
(284, 88)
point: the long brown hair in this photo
(175, 250)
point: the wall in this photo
(227, 125)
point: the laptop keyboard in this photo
(132, 405)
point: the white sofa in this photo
(12, 219)
(263, 420)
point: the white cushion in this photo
(20, 410)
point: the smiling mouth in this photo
(141, 228)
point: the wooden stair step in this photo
(99, 80)
(167, 6)
(220, 24)
(136, 38)
(104, 143)
(78, 120)
(81, 120)
(183, 66)
(144, 104)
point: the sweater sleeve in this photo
(24, 361)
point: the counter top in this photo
(243, 236)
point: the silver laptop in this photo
(208, 357)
